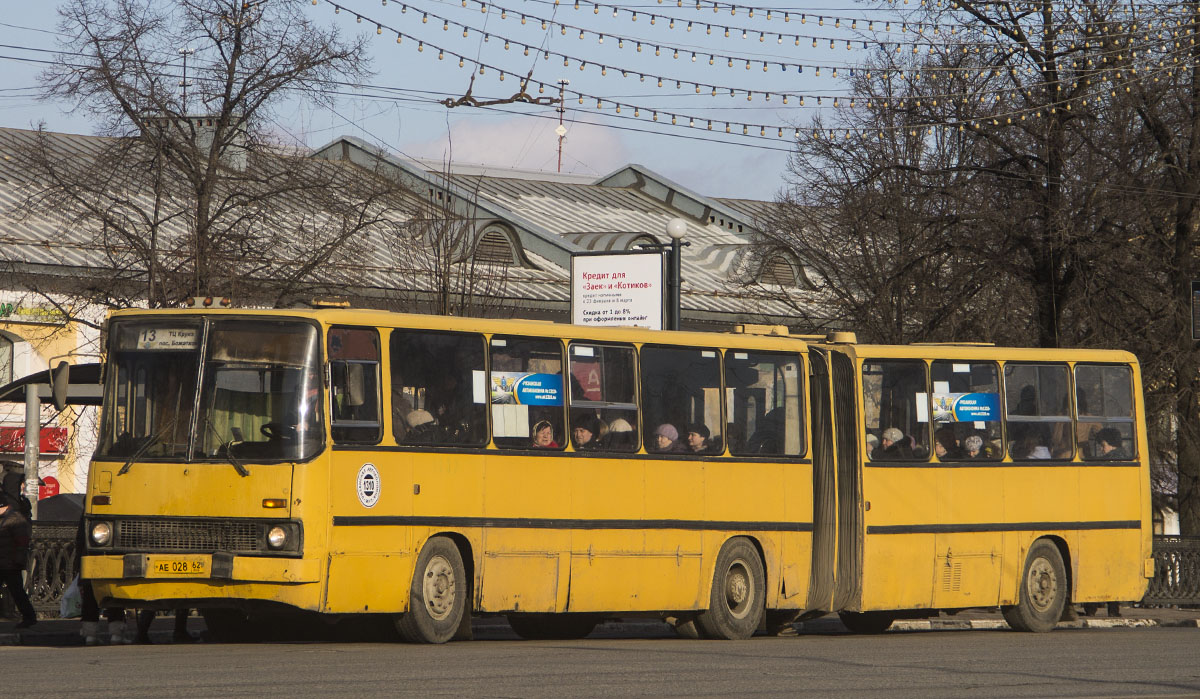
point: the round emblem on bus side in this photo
(368, 485)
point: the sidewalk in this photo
(65, 632)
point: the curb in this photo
(1112, 623)
(67, 638)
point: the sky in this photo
(720, 67)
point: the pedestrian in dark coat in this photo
(15, 535)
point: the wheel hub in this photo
(438, 587)
(737, 590)
(1042, 585)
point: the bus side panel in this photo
(1110, 561)
(795, 557)
(673, 557)
(735, 492)
(898, 567)
(608, 563)
(968, 563)
(369, 566)
(522, 569)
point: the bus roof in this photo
(390, 319)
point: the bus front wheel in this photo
(437, 596)
(1043, 591)
(736, 602)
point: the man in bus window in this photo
(698, 438)
(1108, 445)
(585, 432)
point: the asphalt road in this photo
(980, 663)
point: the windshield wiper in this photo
(227, 447)
(150, 441)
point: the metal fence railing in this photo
(1176, 571)
(52, 567)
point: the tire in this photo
(437, 595)
(552, 627)
(867, 622)
(1043, 590)
(739, 590)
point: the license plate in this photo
(178, 566)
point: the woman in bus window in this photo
(666, 438)
(543, 435)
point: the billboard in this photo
(624, 288)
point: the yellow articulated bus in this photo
(269, 467)
(971, 476)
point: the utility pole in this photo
(561, 130)
(185, 52)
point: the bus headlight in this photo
(101, 533)
(276, 537)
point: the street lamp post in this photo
(676, 229)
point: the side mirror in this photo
(59, 381)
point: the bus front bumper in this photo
(217, 568)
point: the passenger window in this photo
(354, 385)
(603, 408)
(897, 410)
(526, 389)
(1038, 411)
(438, 391)
(966, 410)
(762, 396)
(681, 400)
(1104, 406)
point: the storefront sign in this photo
(53, 440)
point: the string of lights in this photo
(673, 51)
(660, 81)
(693, 121)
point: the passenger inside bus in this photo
(973, 447)
(666, 439)
(585, 432)
(422, 428)
(768, 435)
(893, 445)
(1108, 445)
(620, 437)
(699, 440)
(945, 445)
(1030, 442)
(543, 435)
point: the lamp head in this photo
(677, 228)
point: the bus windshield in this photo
(259, 399)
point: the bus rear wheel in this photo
(1043, 591)
(867, 622)
(736, 602)
(437, 596)
(552, 627)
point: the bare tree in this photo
(881, 210)
(448, 266)
(188, 197)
